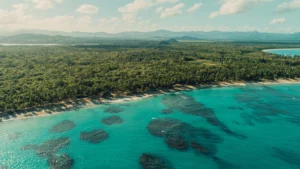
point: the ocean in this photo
(254, 126)
(285, 52)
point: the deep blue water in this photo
(237, 127)
(284, 52)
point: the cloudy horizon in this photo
(149, 15)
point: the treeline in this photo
(36, 76)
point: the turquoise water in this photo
(284, 52)
(239, 127)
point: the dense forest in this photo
(33, 76)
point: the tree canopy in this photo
(32, 76)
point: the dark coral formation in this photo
(181, 135)
(175, 140)
(65, 125)
(29, 147)
(60, 161)
(236, 122)
(113, 109)
(294, 119)
(112, 120)
(289, 157)
(148, 161)
(95, 136)
(198, 147)
(52, 146)
(235, 108)
(161, 127)
(188, 105)
(167, 111)
(255, 117)
(49, 149)
(224, 164)
(264, 102)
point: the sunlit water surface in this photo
(284, 52)
(238, 127)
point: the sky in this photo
(279, 16)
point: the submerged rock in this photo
(289, 157)
(264, 109)
(235, 108)
(149, 161)
(167, 111)
(113, 109)
(176, 141)
(236, 122)
(52, 146)
(161, 127)
(198, 147)
(29, 147)
(222, 164)
(181, 135)
(251, 118)
(95, 136)
(189, 105)
(65, 125)
(60, 161)
(112, 120)
(205, 148)
(294, 119)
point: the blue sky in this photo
(148, 15)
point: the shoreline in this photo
(86, 103)
(267, 50)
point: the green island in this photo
(39, 76)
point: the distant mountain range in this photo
(40, 36)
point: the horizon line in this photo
(112, 33)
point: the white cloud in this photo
(60, 20)
(44, 4)
(230, 7)
(20, 7)
(288, 6)
(278, 21)
(159, 9)
(17, 14)
(129, 17)
(130, 10)
(109, 20)
(87, 9)
(18, 18)
(166, 1)
(195, 7)
(175, 10)
(135, 6)
(128, 22)
(58, 23)
(85, 20)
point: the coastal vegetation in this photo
(35, 76)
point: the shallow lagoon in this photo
(236, 127)
(285, 52)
